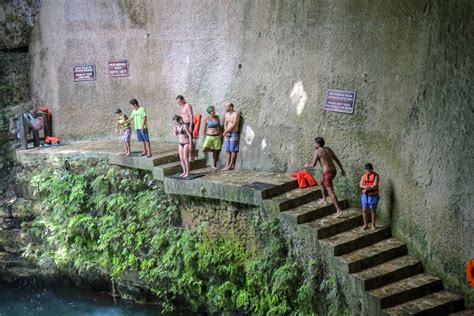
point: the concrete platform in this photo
(246, 187)
(102, 149)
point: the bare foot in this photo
(214, 169)
(127, 154)
(374, 228)
(186, 175)
(338, 214)
(323, 201)
(225, 169)
(364, 227)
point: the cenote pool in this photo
(22, 301)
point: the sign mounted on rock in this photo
(119, 68)
(83, 72)
(340, 101)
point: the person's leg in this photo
(124, 149)
(182, 159)
(323, 191)
(373, 217)
(232, 160)
(144, 153)
(365, 210)
(186, 149)
(229, 160)
(127, 147)
(365, 215)
(148, 149)
(333, 196)
(215, 156)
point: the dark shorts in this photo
(231, 142)
(142, 135)
(370, 201)
(328, 177)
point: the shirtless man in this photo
(326, 158)
(186, 113)
(231, 135)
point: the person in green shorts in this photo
(213, 132)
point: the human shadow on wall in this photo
(240, 158)
(390, 195)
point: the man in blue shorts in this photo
(231, 135)
(369, 183)
(140, 119)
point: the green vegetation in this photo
(118, 220)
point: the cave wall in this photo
(409, 61)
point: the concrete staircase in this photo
(162, 165)
(394, 282)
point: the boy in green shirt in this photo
(140, 119)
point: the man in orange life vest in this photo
(369, 183)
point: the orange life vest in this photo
(368, 179)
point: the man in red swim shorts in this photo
(326, 158)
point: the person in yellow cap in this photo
(213, 132)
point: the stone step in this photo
(292, 199)
(138, 162)
(356, 238)
(311, 211)
(373, 255)
(162, 171)
(466, 312)
(388, 272)
(329, 226)
(407, 289)
(279, 189)
(438, 303)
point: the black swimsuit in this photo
(182, 132)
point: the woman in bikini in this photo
(213, 132)
(184, 139)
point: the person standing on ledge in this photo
(326, 158)
(369, 183)
(140, 121)
(212, 130)
(231, 135)
(186, 113)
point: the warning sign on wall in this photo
(119, 68)
(340, 101)
(83, 72)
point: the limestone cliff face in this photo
(409, 61)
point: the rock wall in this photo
(16, 21)
(409, 61)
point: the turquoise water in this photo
(39, 301)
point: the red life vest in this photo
(368, 179)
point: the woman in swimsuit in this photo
(184, 137)
(213, 132)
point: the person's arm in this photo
(116, 127)
(314, 161)
(188, 132)
(130, 118)
(205, 127)
(144, 122)
(343, 172)
(361, 184)
(376, 183)
(231, 125)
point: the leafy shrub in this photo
(118, 220)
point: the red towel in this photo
(304, 179)
(197, 125)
